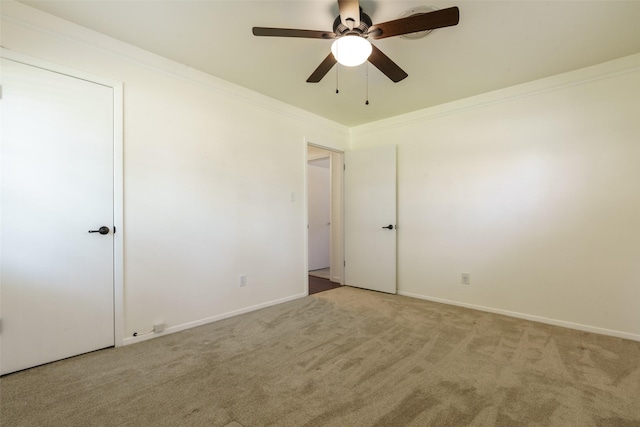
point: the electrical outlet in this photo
(465, 279)
(158, 327)
(243, 280)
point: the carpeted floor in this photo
(345, 357)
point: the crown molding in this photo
(52, 26)
(609, 69)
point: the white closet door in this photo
(370, 218)
(57, 289)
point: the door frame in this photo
(307, 143)
(118, 169)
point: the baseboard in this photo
(189, 325)
(548, 321)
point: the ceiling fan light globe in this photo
(351, 50)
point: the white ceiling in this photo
(496, 44)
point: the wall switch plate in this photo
(465, 279)
(243, 280)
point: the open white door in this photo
(57, 184)
(370, 218)
(319, 202)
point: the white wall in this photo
(209, 170)
(534, 191)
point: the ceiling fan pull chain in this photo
(337, 68)
(366, 68)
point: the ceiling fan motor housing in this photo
(361, 30)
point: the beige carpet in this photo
(345, 357)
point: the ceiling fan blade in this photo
(386, 65)
(349, 11)
(412, 24)
(322, 69)
(288, 32)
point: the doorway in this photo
(324, 218)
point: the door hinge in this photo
(0, 92)
(114, 229)
(344, 263)
(344, 167)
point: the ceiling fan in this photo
(354, 27)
